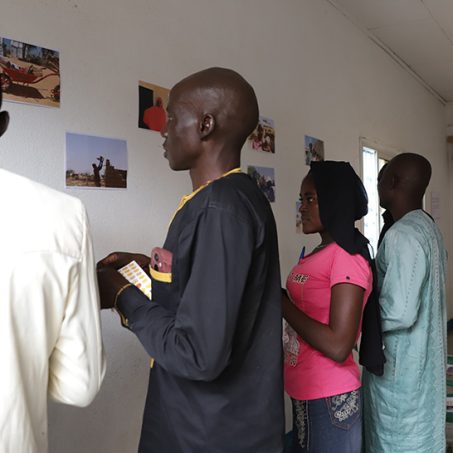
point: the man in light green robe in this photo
(404, 410)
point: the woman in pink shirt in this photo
(327, 290)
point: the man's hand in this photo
(116, 260)
(110, 282)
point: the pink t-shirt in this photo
(309, 374)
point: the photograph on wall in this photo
(95, 162)
(299, 229)
(314, 149)
(29, 74)
(263, 137)
(265, 179)
(152, 104)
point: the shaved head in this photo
(227, 96)
(210, 114)
(412, 171)
(403, 183)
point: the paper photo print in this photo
(263, 137)
(265, 179)
(152, 104)
(29, 74)
(95, 162)
(314, 149)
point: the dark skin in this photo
(109, 280)
(336, 339)
(403, 184)
(209, 116)
(387, 215)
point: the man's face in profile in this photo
(180, 131)
(384, 185)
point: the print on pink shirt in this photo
(291, 344)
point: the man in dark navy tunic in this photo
(213, 325)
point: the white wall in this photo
(314, 74)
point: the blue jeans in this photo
(325, 425)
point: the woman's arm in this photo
(336, 339)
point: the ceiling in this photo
(416, 33)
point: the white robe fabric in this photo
(50, 332)
(404, 410)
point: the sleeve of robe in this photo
(196, 342)
(406, 271)
(77, 363)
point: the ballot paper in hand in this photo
(134, 274)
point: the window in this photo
(372, 162)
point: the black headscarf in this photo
(342, 200)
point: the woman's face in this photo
(309, 208)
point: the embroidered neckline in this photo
(186, 198)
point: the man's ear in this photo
(207, 125)
(4, 121)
